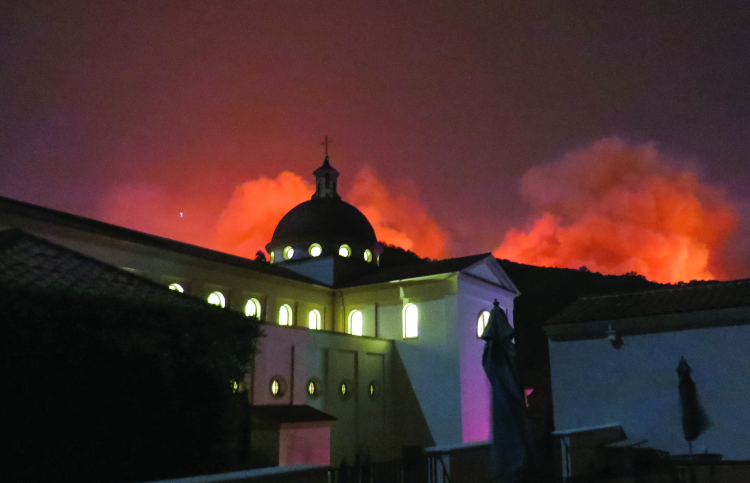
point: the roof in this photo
(287, 413)
(27, 261)
(60, 218)
(449, 265)
(323, 220)
(677, 299)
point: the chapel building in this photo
(358, 363)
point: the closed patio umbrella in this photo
(510, 430)
(694, 419)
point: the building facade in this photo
(393, 354)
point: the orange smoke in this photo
(257, 206)
(616, 208)
(401, 219)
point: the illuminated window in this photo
(252, 308)
(217, 298)
(313, 319)
(356, 322)
(272, 256)
(345, 251)
(285, 315)
(176, 287)
(288, 253)
(411, 321)
(314, 387)
(373, 390)
(315, 250)
(277, 386)
(368, 256)
(484, 317)
(344, 388)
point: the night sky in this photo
(475, 118)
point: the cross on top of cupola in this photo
(325, 178)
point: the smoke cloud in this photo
(257, 206)
(400, 219)
(618, 208)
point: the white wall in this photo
(637, 386)
(476, 393)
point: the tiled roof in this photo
(60, 218)
(286, 413)
(28, 261)
(669, 300)
(418, 270)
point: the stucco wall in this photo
(475, 296)
(637, 386)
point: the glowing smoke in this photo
(401, 219)
(257, 206)
(616, 208)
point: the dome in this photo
(323, 220)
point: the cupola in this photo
(325, 238)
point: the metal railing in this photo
(427, 468)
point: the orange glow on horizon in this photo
(616, 208)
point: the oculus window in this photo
(288, 253)
(176, 287)
(313, 319)
(345, 251)
(368, 256)
(217, 298)
(272, 256)
(277, 386)
(314, 387)
(285, 315)
(356, 322)
(411, 321)
(315, 250)
(484, 317)
(252, 308)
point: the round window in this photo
(288, 253)
(373, 390)
(277, 386)
(345, 251)
(368, 256)
(346, 389)
(314, 387)
(315, 250)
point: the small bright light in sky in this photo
(180, 214)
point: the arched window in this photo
(313, 319)
(285, 315)
(176, 287)
(356, 322)
(484, 317)
(345, 251)
(252, 308)
(217, 298)
(411, 321)
(315, 250)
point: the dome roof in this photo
(321, 220)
